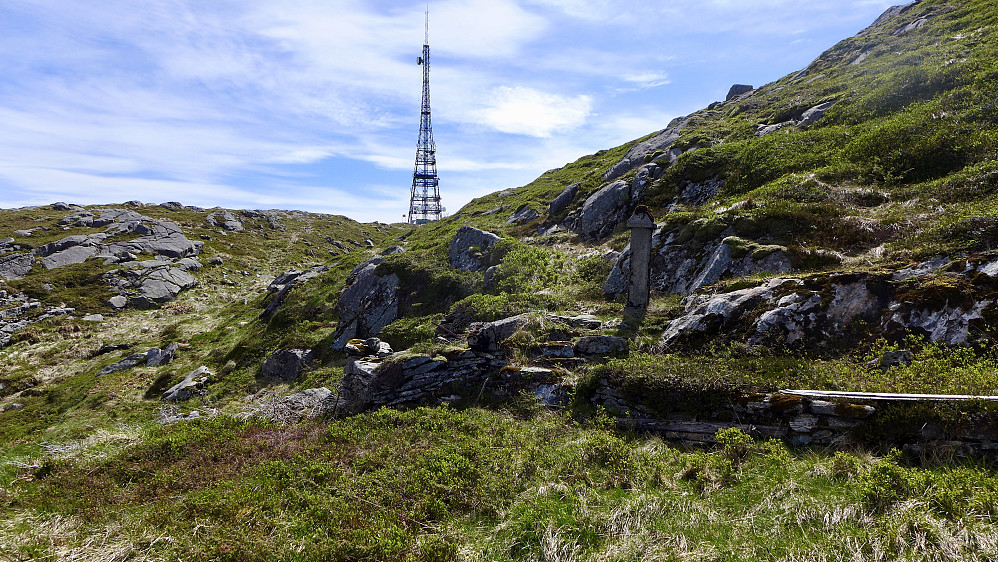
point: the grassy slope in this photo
(909, 148)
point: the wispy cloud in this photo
(314, 104)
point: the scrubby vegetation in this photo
(900, 169)
(437, 484)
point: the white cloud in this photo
(209, 101)
(526, 111)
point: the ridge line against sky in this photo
(257, 104)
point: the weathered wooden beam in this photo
(887, 396)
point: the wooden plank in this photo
(886, 396)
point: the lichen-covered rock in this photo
(656, 149)
(643, 180)
(603, 210)
(156, 356)
(824, 311)
(948, 324)
(16, 266)
(284, 283)
(564, 199)
(225, 220)
(369, 303)
(469, 246)
(489, 336)
(307, 404)
(523, 214)
(185, 389)
(601, 345)
(287, 364)
(685, 266)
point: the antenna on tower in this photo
(424, 201)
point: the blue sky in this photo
(314, 104)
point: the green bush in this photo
(407, 332)
(521, 269)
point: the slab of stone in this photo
(93, 318)
(601, 345)
(186, 388)
(564, 199)
(163, 284)
(558, 350)
(156, 356)
(16, 266)
(75, 254)
(369, 303)
(468, 246)
(287, 364)
(523, 214)
(489, 336)
(118, 301)
(123, 364)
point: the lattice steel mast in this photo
(424, 203)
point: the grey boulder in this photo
(523, 214)
(75, 254)
(369, 303)
(287, 364)
(186, 388)
(737, 90)
(488, 336)
(156, 356)
(225, 220)
(562, 201)
(123, 364)
(601, 345)
(468, 248)
(603, 210)
(16, 266)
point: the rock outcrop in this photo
(287, 364)
(16, 266)
(225, 220)
(564, 199)
(656, 149)
(737, 90)
(611, 204)
(683, 266)
(284, 283)
(18, 312)
(187, 388)
(488, 336)
(144, 283)
(523, 214)
(827, 310)
(468, 248)
(369, 303)
(803, 120)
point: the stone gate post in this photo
(642, 226)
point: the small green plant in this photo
(734, 442)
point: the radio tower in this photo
(424, 204)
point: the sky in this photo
(314, 105)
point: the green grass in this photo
(445, 485)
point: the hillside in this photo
(215, 384)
